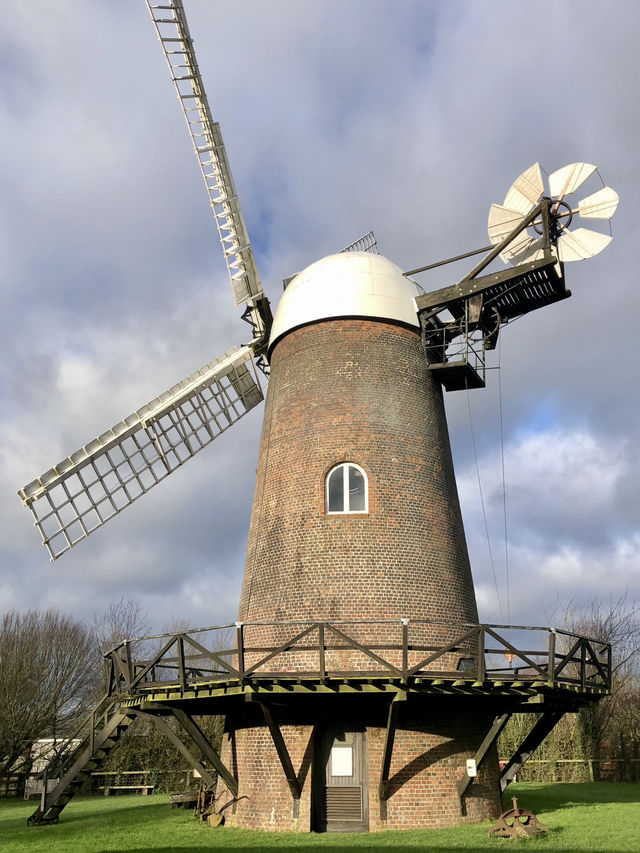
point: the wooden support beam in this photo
(200, 740)
(285, 647)
(389, 739)
(483, 750)
(531, 742)
(365, 651)
(181, 667)
(441, 651)
(182, 748)
(283, 752)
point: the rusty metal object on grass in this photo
(517, 823)
(207, 809)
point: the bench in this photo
(35, 786)
(184, 799)
(143, 789)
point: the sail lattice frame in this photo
(173, 33)
(98, 481)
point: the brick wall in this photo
(435, 736)
(351, 390)
(355, 390)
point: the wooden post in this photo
(321, 659)
(481, 661)
(283, 753)
(240, 647)
(198, 737)
(43, 796)
(181, 670)
(162, 726)
(551, 668)
(530, 743)
(92, 732)
(405, 648)
(127, 660)
(389, 738)
(483, 750)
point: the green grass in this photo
(582, 817)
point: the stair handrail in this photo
(88, 721)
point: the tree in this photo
(44, 681)
(616, 621)
(122, 620)
(609, 728)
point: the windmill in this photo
(358, 625)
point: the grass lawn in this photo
(599, 817)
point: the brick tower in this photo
(355, 517)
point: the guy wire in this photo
(484, 514)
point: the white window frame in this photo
(345, 490)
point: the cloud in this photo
(409, 119)
(568, 523)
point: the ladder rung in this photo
(166, 20)
(184, 97)
(163, 40)
(184, 77)
(223, 199)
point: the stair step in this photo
(82, 764)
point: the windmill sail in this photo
(569, 245)
(98, 481)
(173, 33)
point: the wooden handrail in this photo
(392, 656)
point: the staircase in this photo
(105, 728)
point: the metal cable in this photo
(504, 486)
(484, 514)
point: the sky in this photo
(406, 118)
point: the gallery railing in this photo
(406, 649)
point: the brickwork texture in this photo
(433, 741)
(354, 390)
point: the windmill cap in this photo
(350, 284)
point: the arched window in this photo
(346, 489)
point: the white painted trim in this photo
(345, 490)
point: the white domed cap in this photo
(350, 284)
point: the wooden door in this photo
(342, 799)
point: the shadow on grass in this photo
(566, 795)
(373, 848)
